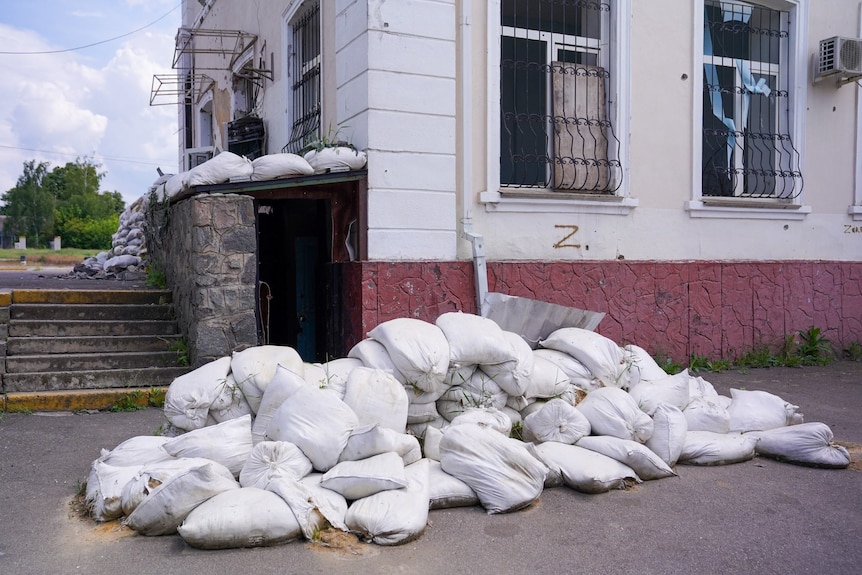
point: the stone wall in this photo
(206, 246)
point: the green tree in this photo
(29, 207)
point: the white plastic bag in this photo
(228, 443)
(271, 460)
(395, 516)
(248, 517)
(501, 471)
(643, 461)
(557, 421)
(584, 470)
(168, 505)
(376, 397)
(804, 444)
(612, 411)
(317, 422)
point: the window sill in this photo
(543, 201)
(746, 209)
(855, 212)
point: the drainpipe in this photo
(207, 6)
(477, 241)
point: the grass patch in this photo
(45, 257)
(132, 401)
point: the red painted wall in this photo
(675, 309)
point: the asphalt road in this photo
(757, 517)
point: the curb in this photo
(81, 400)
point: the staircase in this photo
(66, 349)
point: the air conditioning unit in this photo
(840, 56)
(194, 157)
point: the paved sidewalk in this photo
(757, 517)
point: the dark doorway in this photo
(293, 256)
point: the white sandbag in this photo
(647, 367)
(708, 448)
(578, 374)
(168, 505)
(230, 403)
(395, 516)
(643, 461)
(253, 368)
(121, 262)
(327, 503)
(489, 417)
(337, 371)
(220, 169)
(701, 414)
(669, 431)
(271, 460)
(612, 411)
(176, 184)
(248, 517)
(804, 444)
(275, 166)
(358, 479)
(189, 397)
(611, 364)
(515, 418)
(419, 429)
(502, 472)
(584, 470)
(317, 422)
(228, 443)
(513, 377)
(371, 440)
(556, 421)
(136, 451)
(431, 443)
(154, 474)
(474, 340)
(306, 505)
(421, 412)
(759, 411)
(418, 349)
(547, 380)
(104, 492)
(282, 385)
(376, 397)
(445, 491)
(336, 159)
(374, 354)
(480, 390)
(671, 389)
(699, 387)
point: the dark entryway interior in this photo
(294, 248)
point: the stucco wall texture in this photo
(709, 309)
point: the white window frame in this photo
(206, 140)
(242, 62)
(797, 82)
(855, 210)
(495, 198)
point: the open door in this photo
(293, 253)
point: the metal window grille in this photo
(305, 78)
(747, 146)
(555, 97)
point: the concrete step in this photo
(91, 312)
(95, 379)
(90, 344)
(81, 400)
(87, 328)
(139, 297)
(90, 361)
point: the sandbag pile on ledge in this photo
(419, 416)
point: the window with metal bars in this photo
(555, 95)
(747, 142)
(304, 57)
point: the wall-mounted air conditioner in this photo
(196, 156)
(839, 57)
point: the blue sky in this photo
(93, 102)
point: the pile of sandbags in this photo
(267, 448)
(128, 248)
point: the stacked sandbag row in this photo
(227, 167)
(268, 448)
(128, 247)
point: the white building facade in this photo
(690, 168)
